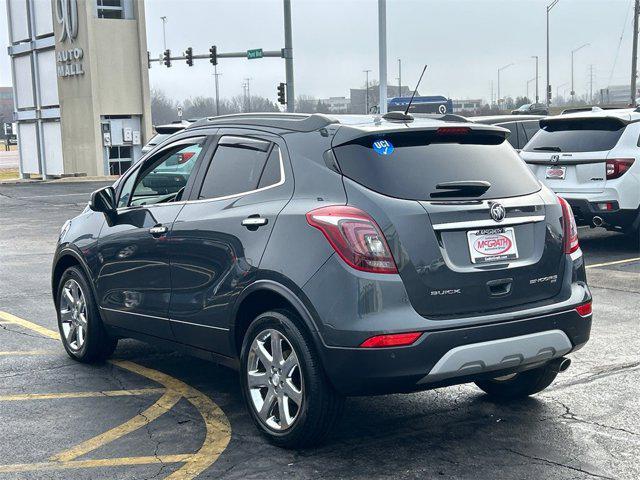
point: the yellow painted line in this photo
(216, 423)
(55, 396)
(218, 429)
(18, 353)
(103, 462)
(159, 408)
(29, 325)
(616, 262)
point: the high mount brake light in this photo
(616, 167)
(391, 340)
(570, 229)
(355, 236)
(453, 130)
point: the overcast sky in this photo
(462, 41)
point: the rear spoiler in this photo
(614, 121)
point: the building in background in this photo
(359, 96)
(81, 85)
(6, 103)
(467, 105)
(337, 104)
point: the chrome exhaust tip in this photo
(561, 364)
(597, 221)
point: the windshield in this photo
(426, 166)
(582, 135)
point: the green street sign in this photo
(254, 53)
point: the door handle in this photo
(254, 222)
(158, 230)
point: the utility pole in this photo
(366, 89)
(500, 70)
(216, 75)
(537, 95)
(164, 32)
(248, 80)
(399, 77)
(573, 92)
(549, 7)
(591, 83)
(288, 57)
(634, 53)
(491, 102)
(382, 55)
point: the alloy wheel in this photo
(73, 315)
(275, 380)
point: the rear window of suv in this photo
(412, 165)
(583, 135)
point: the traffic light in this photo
(166, 57)
(548, 93)
(281, 95)
(213, 55)
(189, 54)
(148, 59)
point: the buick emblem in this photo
(497, 212)
(555, 158)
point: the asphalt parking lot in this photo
(151, 413)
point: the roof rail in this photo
(297, 122)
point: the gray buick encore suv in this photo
(324, 257)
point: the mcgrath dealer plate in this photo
(492, 245)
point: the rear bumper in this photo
(585, 210)
(457, 355)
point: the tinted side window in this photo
(236, 167)
(531, 128)
(271, 173)
(513, 136)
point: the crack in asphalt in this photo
(569, 415)
(603, 373)
(558, 464)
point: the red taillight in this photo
(569, 227)
(355, 236)
(185, 157)
(584, 309)
(391, 340)
(616, 167)
(453, 130)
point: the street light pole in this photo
(529, 83)
(399, 77)
(382, 55)
(537, 94)
(573, 92)
(549, 7)
(634, 53)
(164, 32)
(216, 75)
(500, 70)
(288, 57)
(366, 89)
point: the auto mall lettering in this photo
(69, 62)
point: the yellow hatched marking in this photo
(616, 262)
(105, 393)
(218, 429)
(103, 462)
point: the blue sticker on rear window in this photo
(383, 147)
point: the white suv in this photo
(592, 159)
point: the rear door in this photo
(570, 154)
(222, 231)
(454, 257)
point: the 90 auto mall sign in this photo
(68, 61)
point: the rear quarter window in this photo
(420, 160)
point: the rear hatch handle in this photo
(500, 287)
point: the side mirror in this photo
(103, 200)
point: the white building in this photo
(337, 104)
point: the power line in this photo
(624, 27)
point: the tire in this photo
(521, 385)
(91, 343)
(306, 423)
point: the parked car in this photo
(531, 109)
(521, 129)
(163, 132)
(591, 160)
(410, 255)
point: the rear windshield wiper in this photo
(548, 149)
(464, 188)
